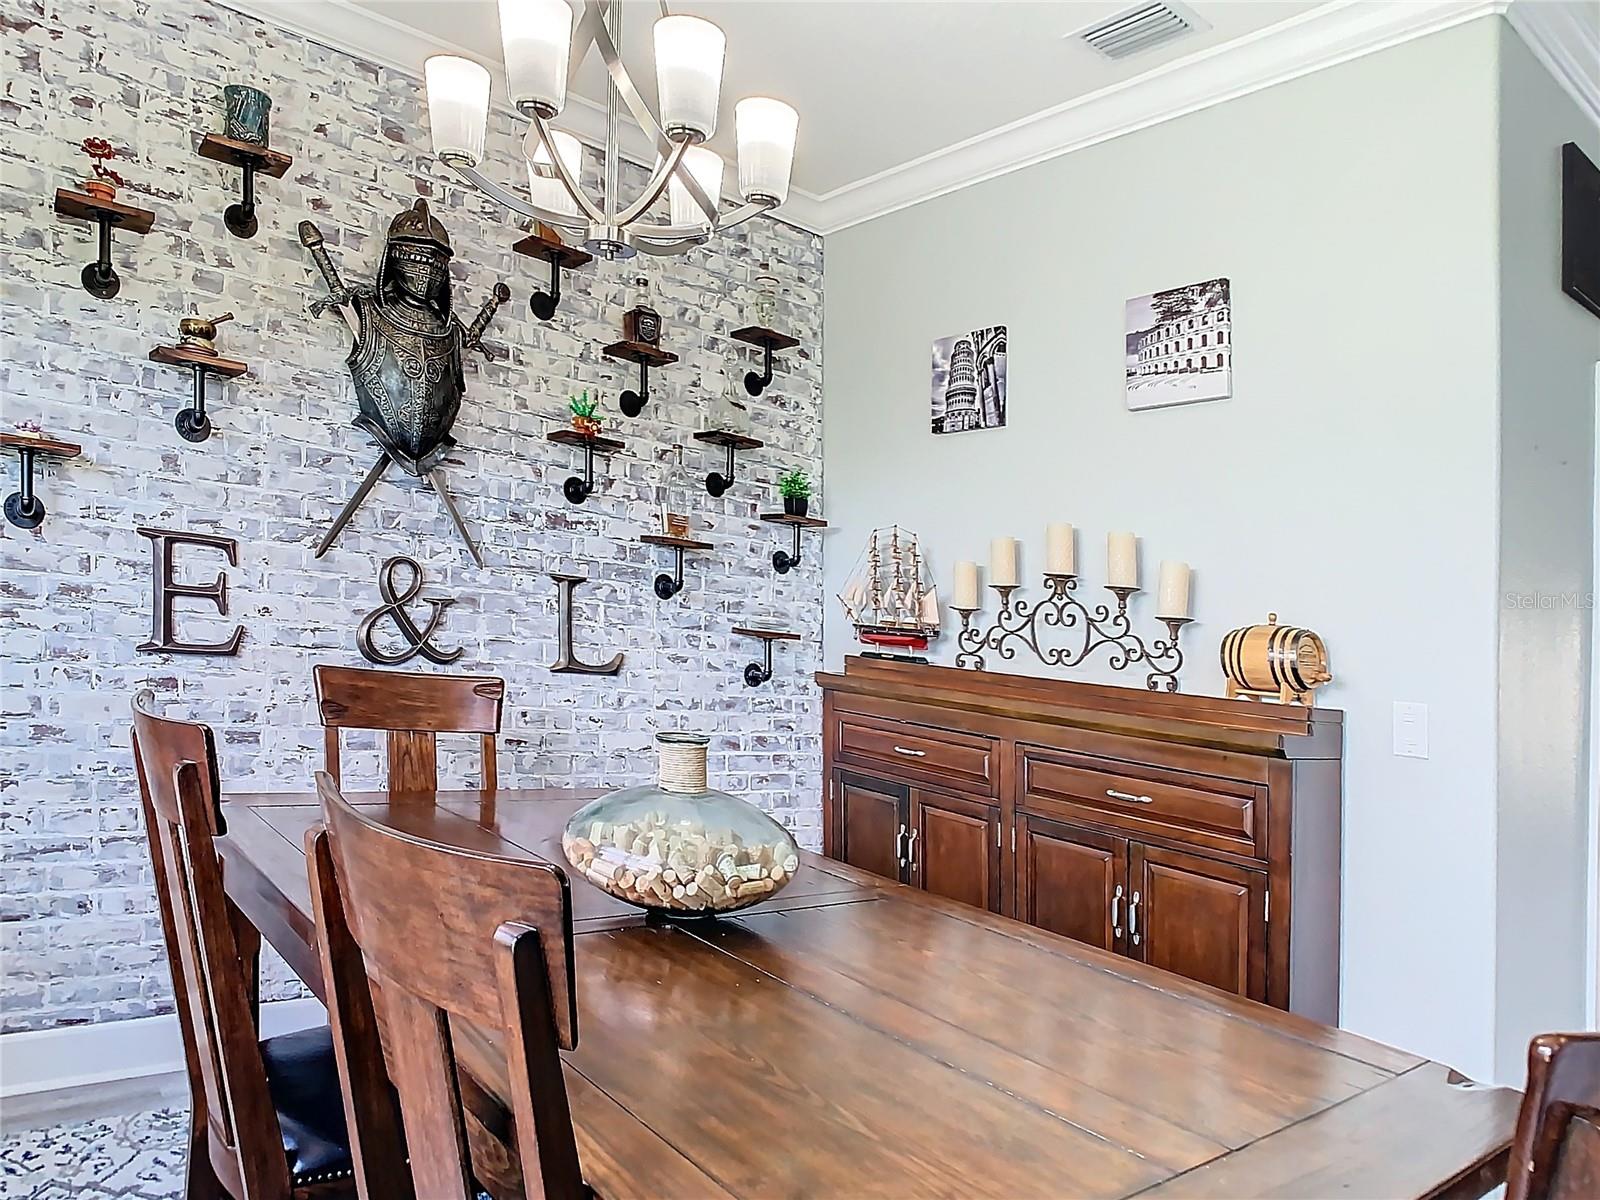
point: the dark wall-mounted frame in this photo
(23, 508)
(1580, 227)
(100, 278)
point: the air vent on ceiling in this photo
(1140, 28)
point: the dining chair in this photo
(1555, 1153)
(413, 709)
(467, 938)
(266, 1122)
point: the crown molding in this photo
(1333, 33)
(369, 35)
(1567, 45)
(1324, 37)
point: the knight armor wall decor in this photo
(405, 356)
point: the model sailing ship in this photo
(890, 597)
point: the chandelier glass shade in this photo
(543, 51)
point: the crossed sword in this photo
(338, 298)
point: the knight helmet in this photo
(416, 258)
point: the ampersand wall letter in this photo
(418, 641)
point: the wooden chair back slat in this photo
(1555, 1154)
(176, 764)
(413, 709)
(469, 937)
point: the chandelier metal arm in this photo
(514, 202)
(574, 188)
(699, 233)
(657, 185)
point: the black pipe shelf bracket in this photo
(252, 160)
(770, 340)
(784, 561)
(577, 489)
(23, 507)
(716, 482)
(632, 403)
(668, 586)
(192, 423)
(543, 243)
(100, 278)
(755, 674)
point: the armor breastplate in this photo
(408, 382)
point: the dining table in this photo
(854, 1037)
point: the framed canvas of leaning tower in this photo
(969, 381)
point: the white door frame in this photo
(1593, 955)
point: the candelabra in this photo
(1022, 623)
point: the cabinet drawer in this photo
(918, 753)
(1200, 811)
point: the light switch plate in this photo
(1410, 729)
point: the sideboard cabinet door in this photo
(872, 823)
(955, 848)
(1201, 919)
(1072, 881)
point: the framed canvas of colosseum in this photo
(1179, 346)
(969, 381)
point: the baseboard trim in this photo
(47, 1060)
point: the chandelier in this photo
(543, 52)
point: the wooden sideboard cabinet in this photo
(1195, 834)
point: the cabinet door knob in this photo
(1116, 912)
(911, 753)
(1129, 797)
(1133, 918)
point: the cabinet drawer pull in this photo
(911, 753)
(911, 850)
(1133, 918)
(1116, 912)
(899, 852)
(1129, 797)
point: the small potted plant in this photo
(586, 417)
(795, 488)
(105, 183)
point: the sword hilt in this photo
(311, 238)
(497, 297)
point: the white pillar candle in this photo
(1172, 597)
(1059, 558)
(1122, 560)
(966, 589)
(1003, 562)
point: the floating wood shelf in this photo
(668, 586)
(99, 277)
(630, 402)
(543, 242)
(252, 160)
(192, 423)
(577, 489)
(716, 482)
(757, 673)
(770, 341)
(784, 561)
(22, 507)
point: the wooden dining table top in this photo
(853, 1037)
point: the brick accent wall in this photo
(81, 933)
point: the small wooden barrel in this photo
(1281, 661)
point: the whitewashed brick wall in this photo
(81, 933)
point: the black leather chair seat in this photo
(304, 1081)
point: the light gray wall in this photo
(1348, 485)
(1549, 345)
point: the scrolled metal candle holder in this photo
(1022, 623)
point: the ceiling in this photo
(901, 100)
(876, 82)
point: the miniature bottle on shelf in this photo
(728, 411)
(642, 323)
(766, 296)
(674, 491)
